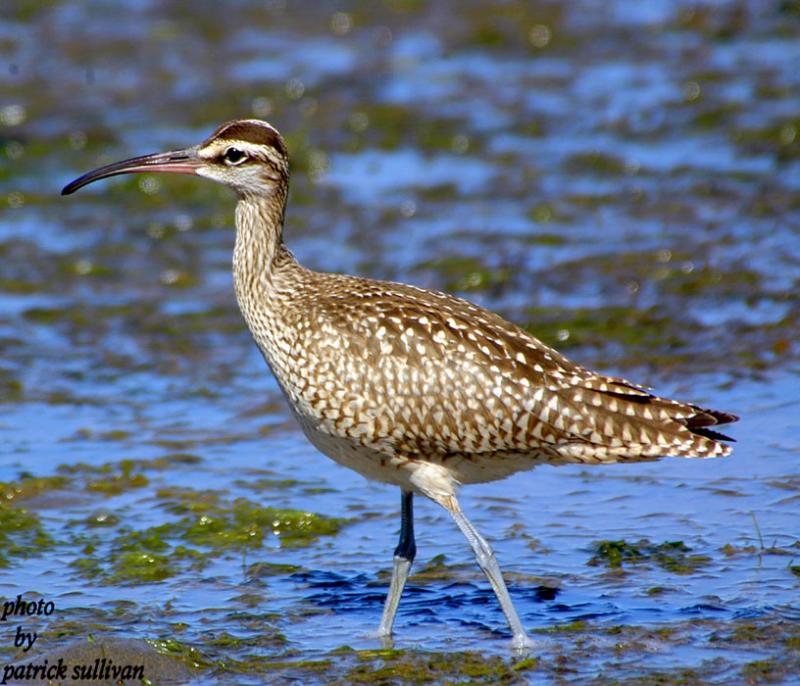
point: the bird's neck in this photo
(259, 256)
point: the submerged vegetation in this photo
(209, 526)
(671, 556)
(21, 534)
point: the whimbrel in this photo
(409, 386)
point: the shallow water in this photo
(622, 178)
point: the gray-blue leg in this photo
(403, 557)
(487, 562)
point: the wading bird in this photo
(409, 386)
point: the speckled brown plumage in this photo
(402, 375)
(410, 386)
(417, 375)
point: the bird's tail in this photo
(629, 423)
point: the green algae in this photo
(439, 192)
(21, 534)
(228, 642)
(437, 567)
(573, 657)
(526, 664)
(266, 483)
(138, 557)
(113, 478)
(671, 272)
(207, 525)
(676, 677)
(87, 567)
(187, 654)
(630, 332)
(299, 666)
(712, 281)
(595, 163)
(546, 213)
(671, 556)
(390, 126)
(11, 389)
(614, 553)
(566, 628)
(118, 483)
(30, 486)
(108, 479)
(771, 671)
(168, 461)
(140, 567)
(488, 36)
(780, 138)
(597, 326)
(187, 332)
(719, 116)
(657, 590)
(546, 239)
(100, 520)
(409, 667)
(757, 633)
(246, 523)
(151, 539)
(266, 569)
(467, 274)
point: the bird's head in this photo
(247, 155)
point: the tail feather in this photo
(627, 422)
(712, 435)
(706, 417)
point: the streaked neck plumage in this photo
(267, 279)
(259, 252)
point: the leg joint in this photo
(407, 550)
(485, 557)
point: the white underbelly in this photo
(349, 453)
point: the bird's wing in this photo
(437, 373)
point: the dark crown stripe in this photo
(249, 131)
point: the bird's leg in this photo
(488, 563)
(403, 557)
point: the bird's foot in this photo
(522, 644)
(385, 637)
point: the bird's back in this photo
(421, 375)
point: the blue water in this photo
(429, 145)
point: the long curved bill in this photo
(176, 162)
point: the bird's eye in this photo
(234, 156)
